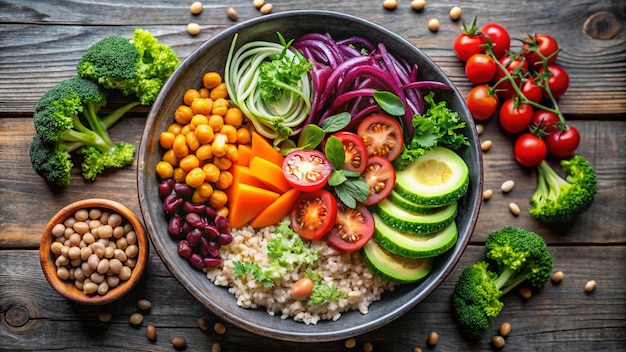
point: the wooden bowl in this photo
(211, 56)
(67, 288)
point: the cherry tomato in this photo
(557, 82)
(354, 148)
(531, 91)
(529, 150)
(307, 170)
(563, 143)
(469, 42)
(546, 121)
(481, 102)
(314, 214)
(546, 45)
(516, 68)
(480, 68)
(382, 136)
(380, 176)
(302, 288)
(352, 229)
(499, 37)
(514, 118)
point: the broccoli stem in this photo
(96, 125)
(112, 118)
(551, 179)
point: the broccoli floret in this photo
(517, 255)
(140, 66)
(560, 200)
(66, 119)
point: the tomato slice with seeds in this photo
(314, 214)
(354, 148)
(307, 170)
(353, 228)
(380, 176)
(382, 136)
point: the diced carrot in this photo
(243, 155)
(245, 202)
(277, 210)
(262, 148)
(270, 174)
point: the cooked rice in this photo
(346, 270)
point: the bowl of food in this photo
(283, 183)
(94, 251)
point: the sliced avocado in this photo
(411, 245)
(394, 267)
(415, 223)
(437, 178)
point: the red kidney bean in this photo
(196, 261)
(204, 247)
(183, 190)
(210, 231)
(225, 239)
(184, 249)
(214, 249)
(194, 220)
(211, 213)
(211, 262)
(175, 226)
(171, 203)
(190, 207)
(193, 237)
(164, 189)
(222, 223)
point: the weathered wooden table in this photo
(41, 41)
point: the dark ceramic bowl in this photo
(211, 56)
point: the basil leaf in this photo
(389, 102)
(310, 137)
(345, 197)
(287, 146)
(336, 122)
(337, 178)
(349, 173)
(335, 153)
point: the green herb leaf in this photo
(336, 122)
(334, 152)
(344, 196)
(389, 102)
(336, 178)
(310, 137)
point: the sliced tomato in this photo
(353, 228)
(380, 176)
(382, 136)
(314, 214)
(356, 153)
(307, 170)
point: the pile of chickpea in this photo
(201, 144)
(95, 248)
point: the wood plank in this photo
(41, 46)
(21, 223)
(559, 317)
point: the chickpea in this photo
(193, 29)
(166, 139)
(258, 3)
(205, 190)
(220, 107)
(418, 5)
(266, 9)
(204, 152)
(211, 172)
(176, 127)
(222, 162)
(180, 146)
(557, 277)
(182, 115)
(204, 133)
(455, 13)
(195, 8)
(189, 162)
(219, 91)
(211, 80)
(390, 4)
(225, 180)
(170, 157)
(243, 136)
(190, 95)
(219, 145)
(433, 25)
(202, 106)
(232, 153)
(195, 177)
(231, 133)
(218, 198)
(198, 120)
(234, 117)
(216, 122)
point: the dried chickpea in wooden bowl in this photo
(94, 251)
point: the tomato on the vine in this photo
(515, 67)
(563, 143)
(545, 44)
(515, 117)
(481, 102)
(355, 151)
(314, 214)
(529, 150)
(499, 37)
(307, 170)
(531, 90)
(382, 135)
(546, 121)
(469, 42)
(480, 68)
(380, 177)
(353, 228)
(557, 82)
